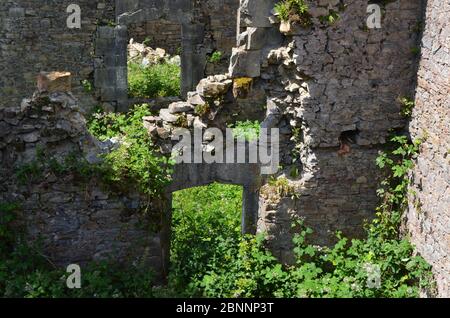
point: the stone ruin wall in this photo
(158, 34)
(36, 32)
(335, 90)
(77, 220)
(428, 218)
(219, 18)
(34, 38)
(339, 92)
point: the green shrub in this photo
(26, 272)
(87, 86)
(216, 57)
(248, 130)
(287, 9)
(160, 80)
(205, 219)
(136, 163)
(407, 107)
(209, 257)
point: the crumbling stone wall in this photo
(332, 90)
(200, 37)
(78, 220)
(428, 218)
(36, 32)
(34, 37)
(158, 34)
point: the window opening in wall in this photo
(154, 60)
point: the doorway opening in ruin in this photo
(154, 59)
(202, 218)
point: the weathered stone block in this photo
(54, 82)
(245, 63)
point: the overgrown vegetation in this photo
(330, 18)
(293, 11)
(206, 221)
(211, 259)
(27, 273)
(248, 130)
(216, 57)
(407, 107)
(159, 80)
(382, 265)
(135, 163)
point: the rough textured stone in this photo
(428, 217)
(78, 222)
(54, 82)
(28, 26)
(332, 90)
(180, 107)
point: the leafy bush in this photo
(407, 107)
(357, 268)
(293, 10)
(26, 272)
(216, 57)
(210, 258)
(248, 130)
(205, 220)
(158, 80)
(135, 164)
(382, 265)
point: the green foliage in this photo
(209, 257)
(382, 265)
(248, 130)
(203, 109)
(87, 86)
(216, 57)
(29, 172)
(281, 186)
(331, 18)
(206, 220)
(397, 161)
(26, 272)
(159, 80)
(135, 164)
(283, 11)
(359, 268)
(73, 164)
(407, 107)
(288, 9)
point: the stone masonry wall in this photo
(333, 91)
(34, 37)
(158, 34)
(428, 218)
(78, 220)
